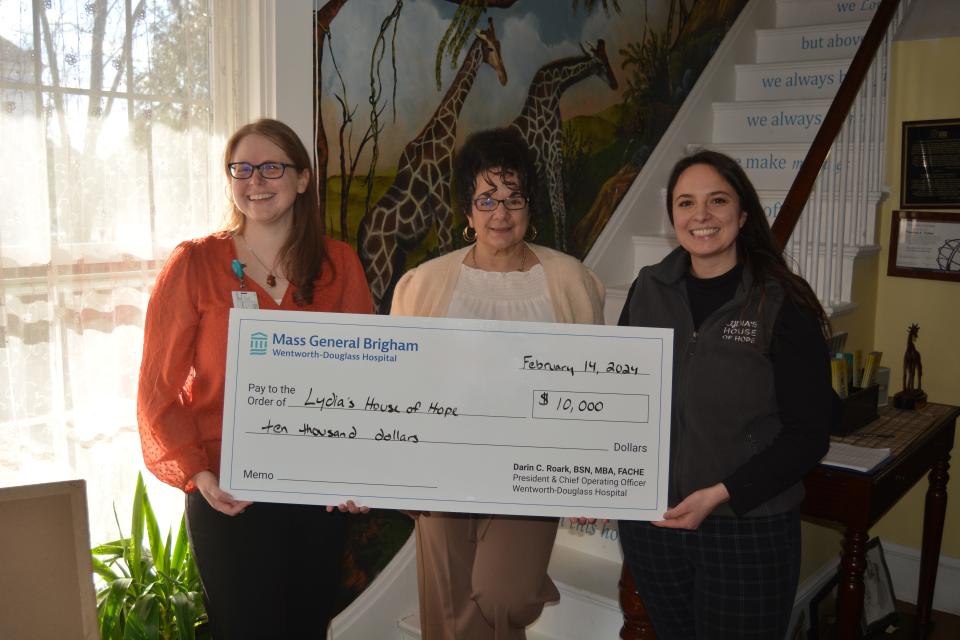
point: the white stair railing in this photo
(840, 214)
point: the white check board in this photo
(442, 414)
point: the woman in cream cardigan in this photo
(483, 576)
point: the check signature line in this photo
(472, 444)
(366, 484)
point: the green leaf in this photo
(192, 574)
(186, 615)
(136, 532)
(153, 534)
(143, 622)
(104, 571)
(167, 548)
(113, 606)
(114, 548)
(180, 548)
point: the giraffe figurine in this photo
(420, 194)
(540, 124)
(911, 361)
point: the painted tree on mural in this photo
(468, 15)
(461, 28)
(660, 69)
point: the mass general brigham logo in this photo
(258, 344)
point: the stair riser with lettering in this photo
(798, 13)
(774, 166)
(772, 202)
(790, 80)
(768, 121)
(820, 42)
(770, 166)
(770, 199)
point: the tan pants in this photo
(483, 577)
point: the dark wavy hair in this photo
(482, 151)
(755, 244)
(303, 255)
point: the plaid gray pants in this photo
(731, 578)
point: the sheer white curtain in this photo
(112, 119)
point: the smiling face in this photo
(707, 218)
(501, 229)
(263, 201)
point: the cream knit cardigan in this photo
(575, 291)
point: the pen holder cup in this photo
(859, 408)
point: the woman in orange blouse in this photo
(268, 570)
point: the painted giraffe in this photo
(540, 125)
(420, 194)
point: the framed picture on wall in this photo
(930, 164)
(925, 244)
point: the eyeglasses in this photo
(268, 170)
(488, 203)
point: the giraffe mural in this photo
(540, 125)
(420, 194)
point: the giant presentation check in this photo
(438, 414)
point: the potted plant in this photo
(148, 592)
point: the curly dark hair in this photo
(755, 244)
(503, 149)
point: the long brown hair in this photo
(755, 244)
(303, 254)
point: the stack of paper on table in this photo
(848, 456)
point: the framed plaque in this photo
(925, 244)
(930, 164)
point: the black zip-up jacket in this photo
(726, 422)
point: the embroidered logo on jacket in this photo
(741, 331)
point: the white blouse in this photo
(492, 295)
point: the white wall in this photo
(928, 19)
(294, 67)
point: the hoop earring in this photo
(466, 234)
(532, 232)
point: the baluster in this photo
(861, 194)
(814, 258)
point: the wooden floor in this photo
(945, 626)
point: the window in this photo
(113, 115)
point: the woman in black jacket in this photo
(752, 407)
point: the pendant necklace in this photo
(271, 279)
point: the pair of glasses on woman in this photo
(268, 170)
(488, 203)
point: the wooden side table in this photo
(920, 443)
